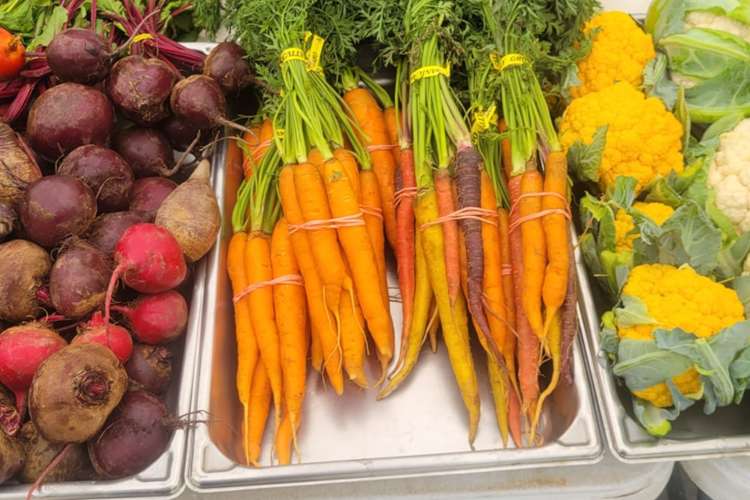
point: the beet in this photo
(140, 88)
(107, 229)
(8, 219)
(23, 349)
(148, 194)
(10, 419)
(11, 457)
(181, 133)
(24, 266)
(147, 151)
(102, 170)
(55, 207)
(67, 116)
(39, 453)
(18, 168)
(114, 337)
(136, 434)
(150, 367)
(156, 319)
(79, 55)
(79, 278)
(199, 100)
(227, 65)
(191, 214)
(74, 391)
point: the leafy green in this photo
(656, 421)
(656, 83)
(727, 93)
(739, 370)
(643, 364)
(741, 285)
(632, 312)
(732, 257)
(585, 159)
(53, 25)
(17, 16)
(701, 54)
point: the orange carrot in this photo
(534, 250)
(250, 141)
(353, 338)
(260, 407)
(284, 440)
(321, 327)
(405, 248)
(371, 204)
(506, 151)
(446, 206)
(351, 169)
(391, 125)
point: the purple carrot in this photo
(568, 317)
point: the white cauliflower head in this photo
(729, 175)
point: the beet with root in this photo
(11, 457)
(8, 219)
(114, 337)
(79, 55)
(56, 207)
(181, 133)
(74, 391)
(136, 434)
(10, 419)
(79, 278)
(23, 349)
(199, 100)
(140, 88)
(156, 319)
(147, 150)
(191, 214)
(104, 171)
(148, 194)
(73, 466)
(17, 167)
(150, 367)
(107, 229)
(227, 65)
(67, 116)
(24, 266)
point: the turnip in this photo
(23, 349)
(8, 218)
(79, 278)
(199, 100)
(56, 207)
(67, 116)
(40, 453)
(79, 55)
(114, 337)
(11, 457)
(149, 260)
(107, 229)
(147, 150)
(17, 167)
(227, 65)
(140, 88)
(150, 367)
(102, 170)
(136, 434)
(191, 214)
(10, 419)
(148, 194)
(181, 133)
(24, 266)
(156, 319)
(74, 391)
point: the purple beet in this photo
(140, 88)
(150, 367)
(135, 435)
(147, 151)
(79, 278)
(104, 171)
(148, 194)
(227, 65)
(55, 207)
(181, 133)
(8, 218)
(107, 229)
(79, 55)
(199, 100)
(67, 116)
(10, 419)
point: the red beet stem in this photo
(111, 290)
(50, 467)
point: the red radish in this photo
(148, 194)
(150, 367)
(107, 229)
(149, 260)
(22, 349)
(114, 337)
(140, 88)
(156, 319)
(79, 55)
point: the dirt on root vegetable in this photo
(8, 219)
(10, 419)
(11, 457)
(39, 452)
(24, 267)
(18, 167)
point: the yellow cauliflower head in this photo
(624, 224)
(679, 298)
(643, 139)
(620, 51)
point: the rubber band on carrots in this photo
(287, 279)
(480, 214)
(334, 223)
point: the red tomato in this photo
(12, 54)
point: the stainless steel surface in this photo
(419, 430)
(694, 435)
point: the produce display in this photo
(102, 220)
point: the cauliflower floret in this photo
(643, 140)
(679, 298)
(709, 20)
(619, 52)
(729, 175)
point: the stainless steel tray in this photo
(694, 435)
(419, 430)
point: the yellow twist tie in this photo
(142, 37)
(292, 54)
(483, 119)
(507, 61)
(429, 71)
(313, 53)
